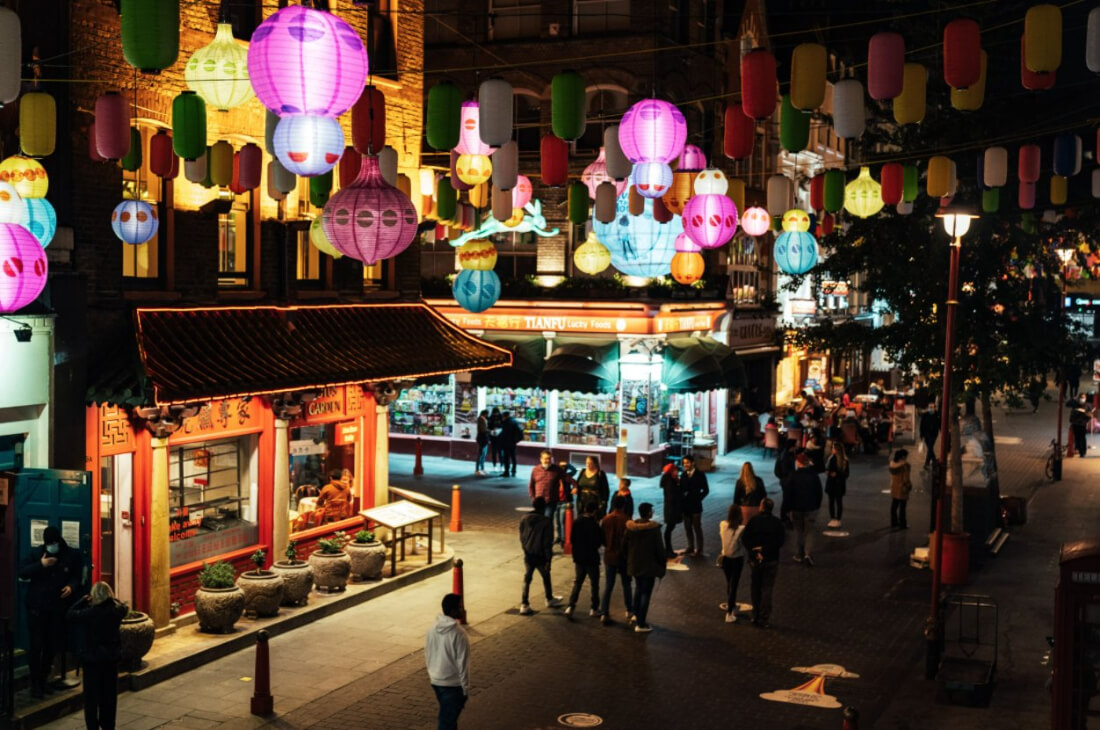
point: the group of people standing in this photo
(498, 434)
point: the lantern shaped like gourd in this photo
(494, 99)
(591, 257)
(909, 106)
(1043, 32)
(521, 193)
(863, 196)
(150, 33)
(687, 268)
(37, 124)
(962, 45)
(795, 252)
(475, 291)
(809, 62)
(652, 179)
(596, 173)
(885, 64)
(739, 133)
(41, 219)
(218, 72)
(473, 169)
(368, 122)
(554, 157)
(652, 131)
(11, 55)
(370, 220)
(794, 126)
(849, 116)
(134, 221)
(710, 217)
(305, 61)
(971, 98)
(477, 256)
(23, 268)
(893, 183)
(567, 105)
(756, 221)
(758, 83)
(112, 129)
(308, 144)
(941, 177)
(26, 175)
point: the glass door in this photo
(115, 524)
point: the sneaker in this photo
(605, 620)
(593, 612)
(553, 601)
(724, 606)
(525, 610)
(808, 561)
(569, 611)
(731, 617)
(632, 620)
(642, 629)
(798, 558)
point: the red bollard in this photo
(262, 701)
(418, 467)
(567, 542)
(851, 719)
(456, 509)
(1069, 445)
(457, 588)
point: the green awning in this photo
(528, 358)
(582, 369)
(697, 364)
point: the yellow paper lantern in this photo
(27, 176)
(736, 193)
(1043, 38)
(687, 267)
(515, 219)
(218, 72)
(320, 241)
(972, 98)
(796, 220)
(37, 124)
(477, 256)
(591, 257)
(1059, 189)
(941, 177)
(473, 169)
(808, 64)
(909, 107)
(679, 192)
(862, 196)
(221, 163)
(479, 195)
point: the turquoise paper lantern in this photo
(476, 290)
(795, 252)
(41, 219)
(639, 245)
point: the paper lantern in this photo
(941, 177)
(502, 206)
(779, 193)
(348, 167)
(23, 268)
(885, 64)
(794, 126)
(93, 151)
(150, 33)
(618, 166)
(684, 244)
(1029, 163)
(132, 160)
(679, 192)
(250, 161)
(962, 45)
(909, 106)
(189, 125)
(1096, 182)
(1033, 80)
(736, 192)
(469, 134)
(474, 169)
(495, 102)
(305, 61)
(162, 158)
(796, 219)
(1043, 32)
(446, 199)
(849, 116)
(639, 245)
(11, 55)
(1025, 197)
(567, 102)
(112, 127)
(971, 98)
(809, 62)
(710, 217)
(475, 291)
(554, 154)
(687, 268)
(834, 190)
(904, 208)
(37, 123)
(740, 133)
(758, 83)
(515, 219)
(863, 196)
(320, 189)
(41, 219)
(756, 221)
(308, 144)
(195, 170)
(134, 221)
(370, 220)
(596, 173)
(995, 167)
(910, 183)
(795, 252)
(578, 203)
(591, 257)
(26, 175)
(456, 182)
(606, 196)
(1092, 41)
(991, 200)
(692, 159)
(285, 180)
(1067, 154)
(1059, 189)
(12, 209)
(218, 72)
(506, 165)
(817, 192)
(368, 121)
(893, 183)
(652, 179)
(652, 131)
(634, 201)
(220, 165)
(320, 241)
(828, 222)
(477, 256)
(443, 116)
(521, 193)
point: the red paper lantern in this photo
(817, 192)
(162, 158)
(554, 153)
(112, 129)
(348, 167)
(740, 133)
(1026, 196)
(885, 65)
(758, 84)
(827, 223)
(893, 183)
(962, 53)
(93, 151)
(368, 122)
(235, 186)
(1028, 168)
(249, 165)
(1031, 80)
(661, 213)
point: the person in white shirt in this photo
(447, 654)
(732, 559)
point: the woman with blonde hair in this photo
(748, 493)
(99, 617)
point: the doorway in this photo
(116, 527)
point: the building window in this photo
(321, 455)
(143, 260)
(600, 16)
(603, 106)
(309, 258)
(514, 19)
(528, 119)
(233, 244)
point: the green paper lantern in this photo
(132, 161)
(446, 199)
(578, 203)
(444, 115)
(189, 126)
(1028, 223)
(910, 183)
(320, 187)
(150, 33)
(834, 190)
(991, 200)
(567, 103)
(794, 126)
(208, 180)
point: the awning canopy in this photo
(202, 353)
(582, 368)
(696, 364)
(528, 358)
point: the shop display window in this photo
(465, 410)
(587, 419)
(527, 406)
(322, 455)
(423, 411)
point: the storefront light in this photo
(549, 280)
(636, 281)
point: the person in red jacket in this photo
(547, 481)
(614, 558)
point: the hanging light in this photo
(809, 62)
(162, 158)
(885, 64)
(758, 83)
(308, 144)
(371, 220)
(475, 291)
(591, 257)
(495, 101)
(607, 196)
(23, 268)
(41, 219)
(368, 122)
(12, 209)
(477, 256)
(909, 106)
(37, 123)
(1043, 32)
(218, 72)
(849, 116)
(956, 220)
(26, 175)
(639, 245)
(596, 173)
(942, 177)
(962, 44)
(506, 165)
(971, 98)
(863, 196)
(554, 158)
(567, 105)
(112, 128)
(577, 203)
(134, 221)
(444, 112)
(11, 55)
(220, 165)
(795, 252)
(473, 169)
(739, 133)
(469, 133)
(710, 217)
(652, 134)
(756, 221)
(189, 125)
(794, 126)
(892, 175)
(687, 268)
(1033, 80)
(618, 166)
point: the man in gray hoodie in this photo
(447, 654)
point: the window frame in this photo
(163, 202)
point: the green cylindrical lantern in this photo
(320, 187)
(991, 200)
(189, 126)
(446, 198)
(834, 190)
(910, 183)
(271, 120)
(132, 160)
(578, 203)
(567, 105)
(1028, 223)
(794, 126)
(208, 181)
(150, 33)
(444, 115)
(220, 164)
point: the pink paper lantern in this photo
(305, 61)
(596, 173)
(652, 131)
(521, 193)
(1026, 195)
(652, 179)
(756, 221)
(710, 217)
(250, 165)
(683, 244)
(469, 131)
(112, 128)
(885, 65)
(692, 159)
(1029, 164)
(369, 220)
(23, 267)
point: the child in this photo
(628, 500)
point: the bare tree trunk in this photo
(994, 483)
(955, 459)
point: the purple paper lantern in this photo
(692, 159)
(596, 173)
(652, 179)
(369, 220)
(23, 267)
(308, 145)
(469, 131)
(652, 131)
(305, 61)
(710, 219)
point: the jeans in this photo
(506, 466)
(732, 568)
(763, 581)
(929, 451)
(897, 513)
(610, 571)
(531, 564)
(556, 512)
(693, 528)
(804, 530)
(592, 573)
(643, 585)
(836, 507)
(451, 702)
(482, 451)
(100, 694)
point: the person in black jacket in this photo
(803, 498)
(694, 488)
(762, 538)
(536, 536)
(55, 572)
(99, 617)
(587, 538)
(670, 485)
(929, 432)
(510, 435)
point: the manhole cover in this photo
(835, 533)
(580, 719)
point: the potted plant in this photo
(331, 565)
(368, 556)
(136, 637)
(297, 576)
(263, 589)
(218, 601)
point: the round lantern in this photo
(305, 61)
(756, 221)
(710, 217)
(567, 102)
(37, 124)
(219, 72)
(910, 183)
(833, 195)
(639, 245)
(162, 158)
(506, 165)
(758, 83)
(863, 196)
(1033, 80)
(809, 62)
(308, 144)
(740, 133)
(195, 170)
(687, 268)
(112, 127)
(1025, 196)
(320, 241)
(893, 183)
(477, 256)
(150, 33)
(11, 55)
(962, 45)
(249, 166)
(473, 169)
(991, 200)
(796, 220)
(1067, 155)
(680, 192)
(41, 219)
(684, 244)
(995, 167)
(521, 193)
(1043, 32)
(652, 131)
(27, 176)
(134, 221)
(554, 157)
(778, 194)
(368, 121)
(795, 252)
(469, 134)
(652, 179)
(1027, 169)
(578, 203)
(220, 165)
(495, 100)
(132, 160)
(596, 173)
(606, 196)
(885, 64)
(849, 116)
(794, 126)
(1092, 41)
(443, 116)
(446, 198)
(692, 159)
(23, 267)
(591, 257)
(475, 291)
(456, 182)
(189, 125)
(618, 166)
(370, 220)
(281, 178)
(971, 98)
(941, 177)
(909, 106)
(12, 209)
(1059, 189)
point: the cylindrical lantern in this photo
(272, 191)
(710, 217)
(596, 173)
(112, 127)
(834, 191)
(93, 151)
(910, 183)
(828, 222)
(849, 116)
(221, 163)
(368, 122)
(1096, 182)
(285, 180)
(41, 219)
(189, 125)
(521, 193)
(661, 213)
(1043, 32)
(567, 102)
(618, 166)
(635, 202)
(1029, 163)
(809, 61)
(904, 208)
(652, 130)
(893, 183)
(134, 221)
(863, 196)
(1092, 41)
(1067, 154)
(219, 72)
(348, 169)
(250, 163)
(1033, 80)
(591, 257)
(479, 196)
(687, 268)
(941, 177)
(26, 175)
(991, 200)
(680, 192)
(971, 98)
(132, 160)
(1025, 198)
(1059, 189)
(885, 63)
(162, 158)
(758, 83)
(443, 115)
(817, 192)
(320, 188)
(554, 158)
(502, 206)
(795, 252)
(779, 194)
(446, 198)
(962, 45)
(794, 126)
(308, 144)
(909, 106)
(150, 33)
(195, 170)
(387, 163)
(740, 133)
(23, 267)
(370, 220)
(578, 203)
(736, 193)
(469, 133)
(305, 61)
(995, 167)
(11, 55)
(652, 179)
(271, 121)
(506, 165)
(495, 99)
(606, 196)
(37, 123)
(476, 291)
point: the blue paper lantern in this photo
(795, 252)
(134, 221)
(639, 245)
(476, 290)
(41, 219)
(651, 179)
(308, 144)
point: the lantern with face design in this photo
(639, 245)
(652, 179)
(710, 217)
(134, 221)
(41, 219)
(469, 131)
(308, 145)
(796, 220)
(521, 193)
(477, 256)
(26, 175)
(863, 196)
(795, 252)
(369, 220)
(475, 290)
(687, 268)
(23, 267)
(320, 241)
(473, 169)
(591, 257)
(12, 209)
(596, 173)
(756, 221)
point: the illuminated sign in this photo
(346, 433)
(634, 322)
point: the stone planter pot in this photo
(263, 592)
(218, 608)
(330, 570)
(367, 559)
(297, 582)
(136, 636)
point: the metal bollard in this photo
(851, 719)
(418, 467)
(457, 588)
(456, 509)
(262, 701)
(567, 542)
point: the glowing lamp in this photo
(26, 175)
(515, 219)
(652, 130)
(962, 45)
(692, 159)
(652, 179)
(132, 160)
(475, 291)
(885, 64)
(1043, 33)
(687, 268)
(473, 169)
(220, 165)
(808, 65)
(477, 256)
(756, 221)
(596, 173)
(736, 193)
(710, 217)
(308, 144)
(280, 178)
(23, 267)
(910, 183)
(591, 257)
(134, 221)
(37, 124)
(195, 170)
(739, 133)
(758, 83)
(639, 245)
(368, 122)
(218, 72)
(863, 196)
(370, 220)
(41, 219)
(12, 209)
(956, 222)
(795, 252)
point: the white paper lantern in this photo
(995, 167)
(195, 170)
(12, 209)
(618, 166)
(506, 165)
(387, 163)
(779, 195)
(273, 191)
(1092, 42)
(849, 116)
(11, 55)
(494, 98)
(904, 208)
(606, 197)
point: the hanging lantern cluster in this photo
(639, 245)
(795, 248)
(710, 217)
(652, 134)
(596, 173)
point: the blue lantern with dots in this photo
(134, 221)
(795, 252)
(41, 219)
(638, 244)
(476, 290)
(308, 144)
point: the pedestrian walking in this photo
(694, 488)
(748, 492)
(614, 559)
(593, 487)
(536, 536)
(510, 435)
(99, 617)
(447, 655)
(836, 483)
(645, 556)
(900, 487)
(929, 432)
(1079, 419)
(784, 470)
(628, 498)
(1035, 388)
(496, 425)
(804, 501)
(670, 485)
(762, 538)
(587, 539)
(732, 559)
(482, 443)
(547, 481)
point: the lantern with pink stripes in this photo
(710, 217)
(469, 131)
(23, 267)
(369, 220)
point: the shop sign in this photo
(329, 403)
(836, 288)
(347, 433)
(803, 306)
(751, 332)
(307, 447)
(230, 415)
(687, 321)
(635, 322)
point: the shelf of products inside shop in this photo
(423, 411)
(527, 406)
(588, 419)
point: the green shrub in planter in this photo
(217, 575)
(334, 544)
(364, 536)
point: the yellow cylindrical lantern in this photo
(1059, 189)
(941, 177)
(736, 193)
(591, 257)
(971, 98)
(221, 163)
(479, 195)
(1043, 38)
(37, 124)
(909, 106)
(862, 196)
(808, 65)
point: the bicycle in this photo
(1054, 455)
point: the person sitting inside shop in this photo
(307, 489)
(335, 499)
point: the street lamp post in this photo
(1064, 255)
